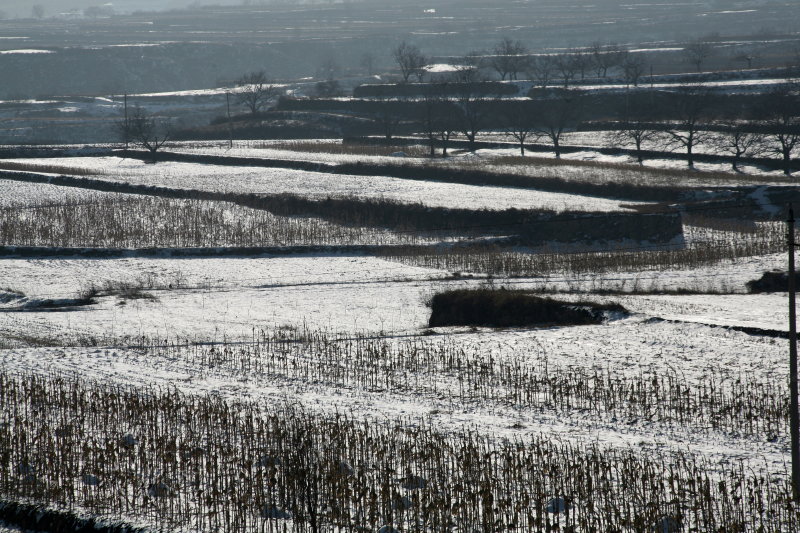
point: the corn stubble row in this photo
(144, 221)
(500, 262)
(508, 383)
(205, 463)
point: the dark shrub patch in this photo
(503, 308)
(774, 281)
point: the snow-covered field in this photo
(23, 194)
(329, 292)
(227, 299)
(323, 185)
(540, 164)
(630, 348)
(123, 334)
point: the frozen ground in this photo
(484, 158)
(323, 185)
(632, 347)
(219, 298)
(227, 298)
(232, 299)
(22, 194)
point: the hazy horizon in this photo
(23, 9)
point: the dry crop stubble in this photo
(199, 462)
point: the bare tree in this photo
(636, 125)
(541, 69)
(437, 118)
(386, 115)
(567, 65)
(328, 68)
(471, 112)
(472, 67)
(328, 88)
(518, 121)
(633, 67)
(793, 64)
(606, 56)
(367, 62)
(123, 126)
(696, 52)
(508, 58)
(254, 91)
(782, 125)
(142, 129)
(410, 60)
(556, 116)
(747, 56)
(693, 109)
(738, 139)
(582, 62)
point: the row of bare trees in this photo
(694, 120)
(682, 120)
(254, 91)
(509, 59)
(440, 117)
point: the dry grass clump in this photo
(203, 463)
(346, 148)
(507, 308)
(774, 281)
(50, 169)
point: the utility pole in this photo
(127, 124)
(230, 131)
(794, 414)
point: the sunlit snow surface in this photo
(230, 299)
(225, 299)
(323, 185)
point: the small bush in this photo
(774, 281)
(504, 308)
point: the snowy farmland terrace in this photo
(174, 287)
(448, 266)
